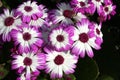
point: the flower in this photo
(28, 64)
(84, 39)
(83, 6)
(58, 63)
(40, 21)
(29, 10)
(98, 33)
(27, 38)
(107, 10)
(64, 14)
(60, 37)
(7, 23)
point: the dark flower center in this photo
(60, 38)
(9, 21)
(98, 0)
(59, 60)
(28, 8)
(82, 4)
(83, 37)
(106, 9)
(97, 31)
(26, 36)
(27, 61)
(68, 13)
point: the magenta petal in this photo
(36, 73)
(28, 19)
(91, 34)
(34, 17)
(98, 41)
(82, 54)
(39, 14)
(24, 19)
(90, 53)
(75, 51)
(34, 48)
(20, 69)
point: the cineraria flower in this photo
(29, 10)
(107, 10)
(41, 20)
(27, 38)
(59, 63)
(84, 39)
(83, 6)
(28, 64)
(7, 23)
(64, 14)
(60, 37)
(98, 33)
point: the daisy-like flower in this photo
(83, 6)
(107, 10)
(7, 23)
(28, 64)
(98, 33)
(84, 39)
(60, 37)
(29, 10)
(64, 14)
(59, 63)
(27, 38)
(41, 20)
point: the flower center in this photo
(98, 0)
(60, 38)
(9, 21)
(59, 60)
(26, 36)
(83, 37)
(97, 31)
(68, 13)
(82, 4)
(28, 8)
(27, 61)
(106, 9)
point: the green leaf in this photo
(87, 69)
(72, 77)
(3, 72)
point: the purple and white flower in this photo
(27, 38)
(83, 6)
(40, 21)
(59, 63)
(60, 37)
(28, 64)
(98, 34)
(84, 39)
(64, 14)
(29, 10)
(107, 11)
(7, 23)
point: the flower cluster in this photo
(53, 40)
